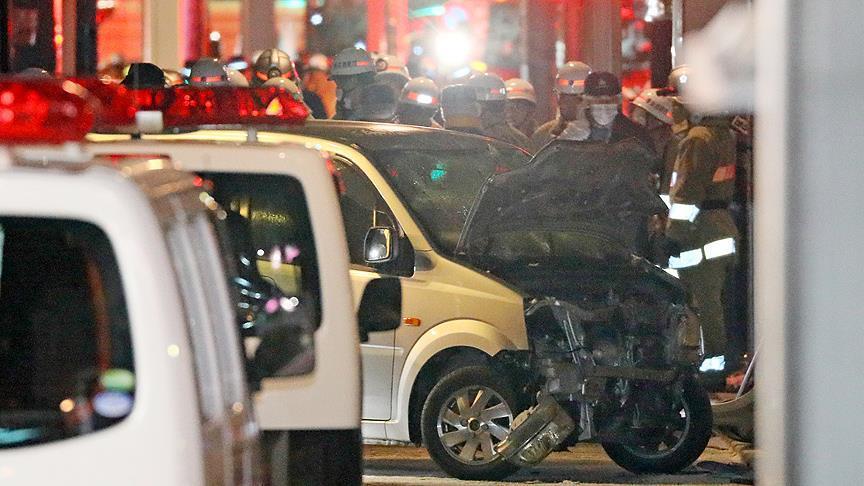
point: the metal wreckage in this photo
(614, 345)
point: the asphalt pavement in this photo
(583, 464)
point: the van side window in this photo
(362, 207)
(66, 361)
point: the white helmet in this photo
(236, 78)
(678, 79)
(352, 61)
(390, 63)
(519, 89)
(421, 91)
(318, 61)
(660, 107)
(571, 78)
(489, 87)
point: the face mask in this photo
(604, 114)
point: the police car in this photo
(118, 347)
(283, 193)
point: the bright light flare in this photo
(452, 48)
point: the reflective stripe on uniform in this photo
(691, 258)
(686, 259)
(666, 200)
(719, 248)
(724, 173)
(683, 212)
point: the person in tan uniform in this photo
(570, 88)
(491, 94)
(700, 226)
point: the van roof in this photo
(388, 136)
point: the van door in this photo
(363, 208)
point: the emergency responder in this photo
(460, 109)
(680, 126)
(144, 75)
(375, 103)
(652, 109)
(569, 86)
(394, 79)
(274, 63)
(700, 227)
(492, 98)
(521, 104)
(418, 103)
(608, 124)
(387, 63)
(353, 69)
(317, 82)
(208, 72)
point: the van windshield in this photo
(440, 186)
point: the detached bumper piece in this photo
(536, 432)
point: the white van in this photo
(120, 362)
(411, 187)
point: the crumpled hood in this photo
(567, 188)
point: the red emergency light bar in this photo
(45, 111)
(188, 107)
(118, 104)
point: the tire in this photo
(447, 411)
(682, 453)
(313, 457)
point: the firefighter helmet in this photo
(352, 61)
(660, 107)
(519, 89)
(571, 78)
(144, 75)
(273, 63)
(488, 87)
(208, 72)
(421, 91)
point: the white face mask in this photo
(604, 114)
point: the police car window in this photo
(277, 232)
(362, 207)
(66, 360)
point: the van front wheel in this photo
(465, 416)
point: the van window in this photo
(66, 361)
(362, 207)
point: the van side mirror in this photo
(380, 307)
(380, 245)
